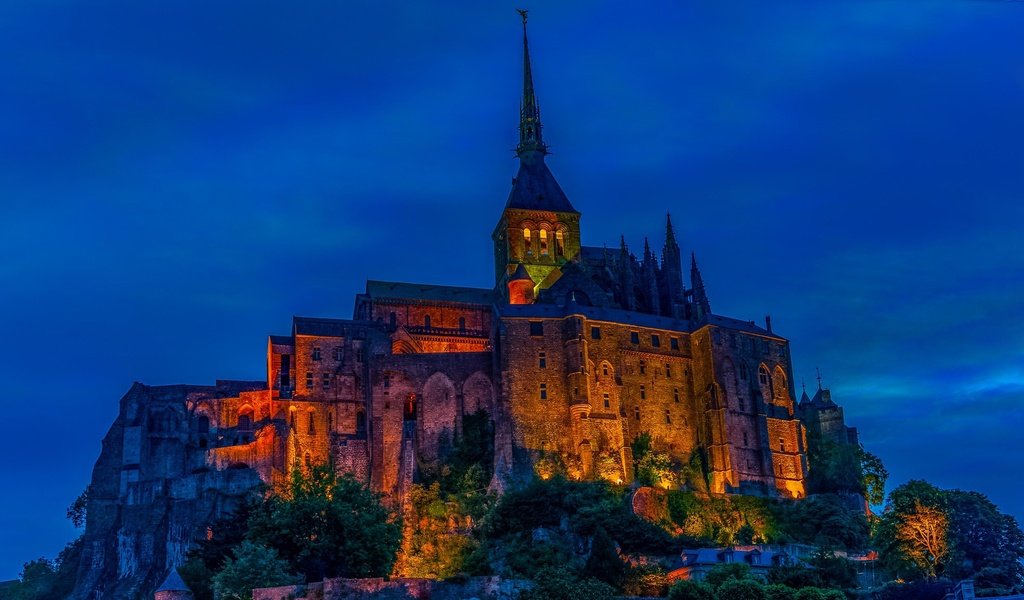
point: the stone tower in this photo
(539, 227)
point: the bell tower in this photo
(539, 229)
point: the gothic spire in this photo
(700, 297)
(530, 139)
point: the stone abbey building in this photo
(573, 352)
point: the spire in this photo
(670, 234)
(700, 297)
(530, 139)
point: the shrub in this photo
(691, 590)
(778, 591)
(741, 589)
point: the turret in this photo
(701, 305)
(520, 287)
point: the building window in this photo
(536, 328)
(636, 413)
(542, 360)
(668, 417)
(604, 370)
(762, 375)
(543, 391)
(634, 337)
(559, 244)
(675, 395)
(595, 333)
(462, 323)
(360, 424)
(782, 445)
(327, 381)
(392, 320)
(526, 241)
(643, 392)
(668, 370)
(291, 418)
(643, 367)
(316, 352)
(673, 343)
(338, 353)
(311, 429)
(543, 241)
(309, 380)
(426, 321)
(607, 401)
(656, 341)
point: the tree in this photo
(923, 533)
(45, 579)
(778, 591)
(253, 566)
(76, 511)
(561, 584)
(719, 574)
(604, 563)
(741, 589)
(874, 476)
(327, 526)
(688, 589)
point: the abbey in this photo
(573, 353)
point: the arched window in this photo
(526, 240)
(780, 384)
(245, 420)
(311, 423)
(743, 371)
(543, 241)
(409, 409)
(559, 244)
(762, 375)
(426, 321)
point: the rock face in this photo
(152, 494)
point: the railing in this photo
(446, 331)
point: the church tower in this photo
(539, 229)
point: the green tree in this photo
(327, 526)
(719, 574)
(562, 584)
(76, 511)
(252, 566)
(741, 589)
(778, 591)
(874, 476)
(691, 590)
(45, 579)
(604, 562)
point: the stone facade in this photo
(574, 353)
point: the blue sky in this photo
(178, 179)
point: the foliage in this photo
(778, 591)
(844, 469)
(324, 525)
(688, 589)
(834, 572)
(76, 511)
(874, 477)
(719, 574)
(823, 520)
(915, 590)
(198, 577)
(251, 566)
(437, 542)
(645, 581)
(794, 576)
(741, 589)
(604, 563)
(929, 532)
(45, 579)
(562, 584)
(723, 520)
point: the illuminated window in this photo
(316, 353)
(656, 341)
(543, 391)
(543, 241)
(327, 381)
(559, 244)
(634, 337)
(536, 327)
(762, 375)
(643, 393)
(542, 360)
(607, 401)
(595, 333)
(526, 240)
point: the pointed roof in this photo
(534, 187)
(521, 274)
(700, 296)
(173, 583)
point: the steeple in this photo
(672, 292)
(530, 139)
(702, 307)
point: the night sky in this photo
(178, 179)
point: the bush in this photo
(741, 589)
(778, 591)
(719, 574)
(645, 581)
(561, 584)
(691, 590)
(253, 566)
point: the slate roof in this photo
(715, 556)
(535, 188)
(173, 583)
(434, 293)
(327, 327)
(281, 340)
